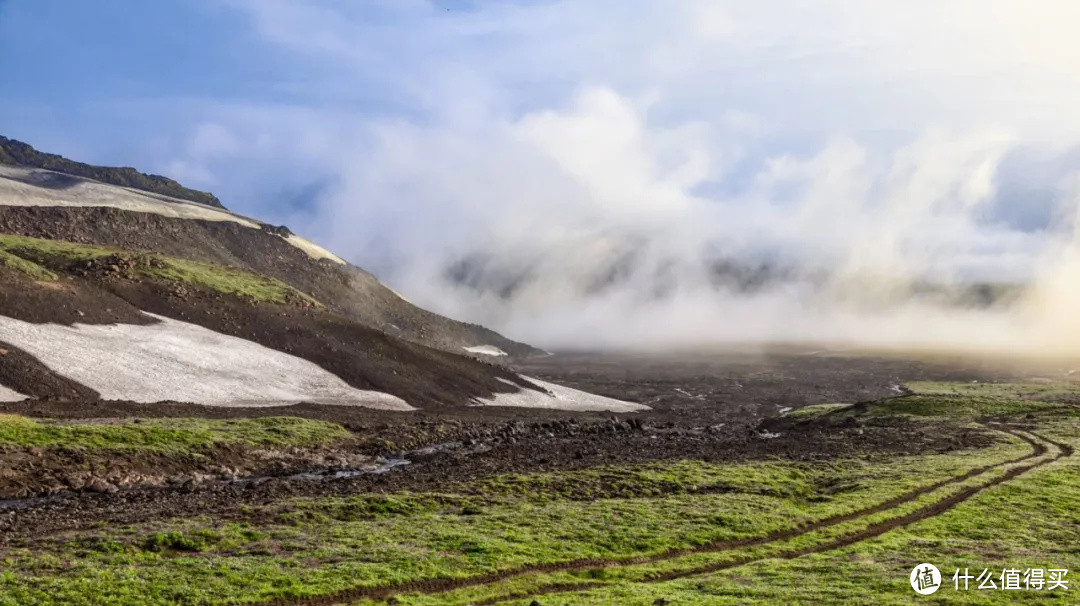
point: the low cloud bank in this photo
(590, 227)
(583, 174)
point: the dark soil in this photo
(66, 301)
(513, 447)
(38, 471)
(25, 374)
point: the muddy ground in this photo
(718, 406)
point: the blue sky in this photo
(72, 68)
(548, 142)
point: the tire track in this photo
(434, 586)
(872, 531)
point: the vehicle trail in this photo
(434, 586)
(874, 530)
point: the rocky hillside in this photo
(46, 204)
(108, 293)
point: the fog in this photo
(602, 174)
(585, 227)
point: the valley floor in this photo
(757, 478)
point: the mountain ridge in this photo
(17, 153)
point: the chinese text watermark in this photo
(926, 579)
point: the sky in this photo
(588, 172)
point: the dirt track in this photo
(869, 532)
(432, 586)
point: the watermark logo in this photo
(925, 579)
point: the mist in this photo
(594, 229)
(600, 174)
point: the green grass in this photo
(1030, 522)
(226, 280)
(1042, 390)
(941, 403)
(41, 248)
(959, 407)
(655, 479)
(168, 435)
(816, 410)
(319, 546)
(29, 255)
(305, 547)
(31, 269)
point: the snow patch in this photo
(689, 395)
(487, 350)
(312, 249)
(10, 395)
(173, 360)
(86, 193)
(397, 294)
(558, 398)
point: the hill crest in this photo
(17, 153)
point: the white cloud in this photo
(587, 161)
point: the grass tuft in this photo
(168, 435)
(815, 410)
(29, 268)
(30, 254)
(225, 280)
(959, 407)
